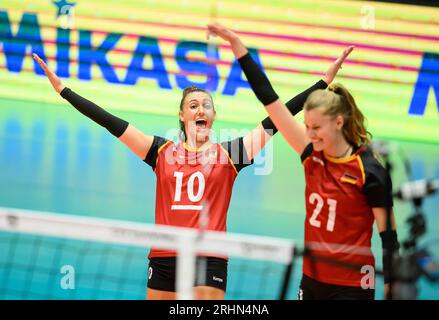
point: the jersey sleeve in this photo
(151, 157)
(237, 153)
(306, 152)
(378, 185)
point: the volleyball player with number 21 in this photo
(347, 189)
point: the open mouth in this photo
(201, 123)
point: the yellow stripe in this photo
(340, 160)
(360, 162)
(230, 159)
(192, 149)
(158, 152)
(348, 180)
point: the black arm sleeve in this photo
(258, 80)
(151, 156)
(390, 246)
(112, 123)
(295, 105)
(237, 153)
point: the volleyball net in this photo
(54, 256)
(58, 256)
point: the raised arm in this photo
(293, 131)
(133, 138)
(261, 86)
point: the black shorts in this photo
(161, 273)
(311, 289)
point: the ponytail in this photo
(338, 101)
(354, 128)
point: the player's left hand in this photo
(336, 65)
(53, 78)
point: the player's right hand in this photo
(53, 78)
(217, 29)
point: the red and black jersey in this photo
(190, 181)
(340, 195)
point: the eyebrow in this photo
(195, 100)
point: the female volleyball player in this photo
(346, 187)
(193, 176)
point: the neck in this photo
(339, 150)
(194, 143)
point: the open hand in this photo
(53, 78)
(217, 29)
(336, 65)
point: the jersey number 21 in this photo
(317, 200)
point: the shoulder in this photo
(372, 164)
(234, 145)
(158, 144)
(378, 184)
(306, 152)
(236, 152)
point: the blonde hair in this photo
(338, 101)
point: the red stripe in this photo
(287, 23)
(285, 70)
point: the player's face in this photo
(323, 130)
(198, 115)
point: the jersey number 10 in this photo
(190, 186)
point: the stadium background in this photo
(54, 159)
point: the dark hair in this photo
(186, 92)
(338, 101)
